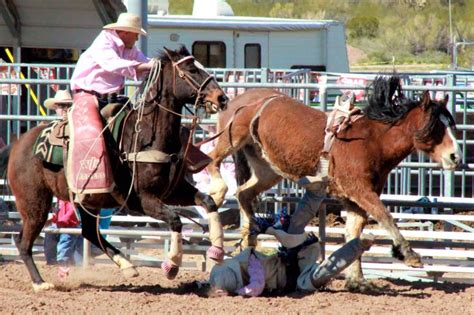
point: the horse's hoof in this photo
(215, 253)
(41, 287)
(130, 272)
(170, 270)
(361, 286)
(412, 259)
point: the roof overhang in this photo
(237, 23)
(55, 24)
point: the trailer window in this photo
(210, 54)
(253, 57)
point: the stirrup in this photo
(320, 180)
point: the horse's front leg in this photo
(216, 232)
(217, 187)
(402, 250)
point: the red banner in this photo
(359, 94)
(47, 74)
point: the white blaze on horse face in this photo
(450, 156)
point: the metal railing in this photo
(416, 175)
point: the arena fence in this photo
(450, 192)
(448, 255)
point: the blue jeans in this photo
(59, 248)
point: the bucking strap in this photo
(255, 120)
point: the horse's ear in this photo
(446, 99)
(171, 54)
(183, 51)
(425, 100)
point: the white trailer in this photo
(253, 42)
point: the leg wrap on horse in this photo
(340, 260)
(175, 254)
(216, 234)
(307, 209)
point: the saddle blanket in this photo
(49, 145)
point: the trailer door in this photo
(251, 49)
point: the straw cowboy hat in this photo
(128, 22)
(61, 97)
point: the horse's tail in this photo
(242, 169)
(4, 156)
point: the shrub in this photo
(363, 26)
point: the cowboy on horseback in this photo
(99, 74)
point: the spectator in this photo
(60, 103)
(59, 248)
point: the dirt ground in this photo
(102, 290)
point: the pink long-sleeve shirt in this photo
(104, 66)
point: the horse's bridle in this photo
(197, 88)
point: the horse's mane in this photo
(437, 109)
(386, 101)
(164, 59)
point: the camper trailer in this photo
(253, 42)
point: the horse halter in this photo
(197, 88)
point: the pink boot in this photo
(63, 273)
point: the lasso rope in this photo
(138, 105)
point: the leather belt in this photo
(100, 96)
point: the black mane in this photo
(386, 101)
(165, 59)
(182, 51)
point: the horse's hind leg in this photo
(90, 231)
(262, 178)
(34, 213)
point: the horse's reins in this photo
(138, 106)
(199, 97)
(186, 77)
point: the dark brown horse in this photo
(145, 187)
(290, 139)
